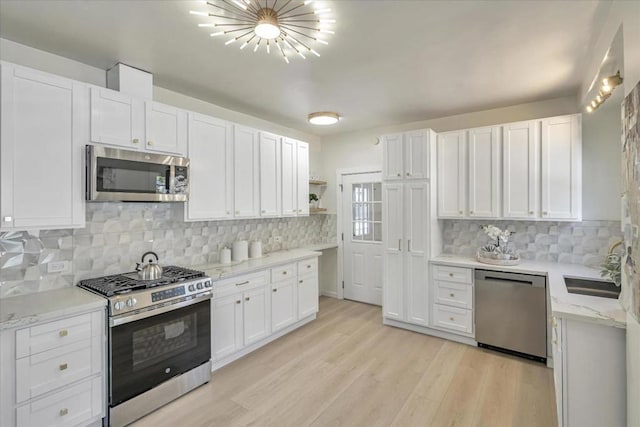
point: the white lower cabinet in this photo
(589, 363)
(250, 310)
(53, 373)
(452, 299)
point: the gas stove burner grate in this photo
(121, 283)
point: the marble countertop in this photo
(23, 310)
(321, 246)
(222, 271)
(587, 308)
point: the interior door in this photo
(362, 225)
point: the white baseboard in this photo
(430, 331)
(331, 294)
(217, 364)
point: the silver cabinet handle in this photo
(242, 283)
(284, 273)
(63, 412)
(399, 174)
(238, 302)
(545, 213)
(136, 141)
(63, 333)
(530, 212)
(408, 174)
(409, 245)
(399, 244)
(63, 366)
(247, 299)
(470, 212)
(275, 290)
(149, 143)
(301, 281)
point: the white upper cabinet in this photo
(289, 177)
(302, 173)
(405, 156)
(270, 175)
(246, 172)
(392, 166)
(561, 172)
(210, 150)
(452, 172)
(484, 172)
(416, 155)
(45, 124)
(132, 123)
(165, 128)
(520, 170)
(116, 118)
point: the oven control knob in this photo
(207, 284)
(131, 302)
(118, 305)
(192, 288)
(199, 285)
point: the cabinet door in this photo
(484, 172)
(289, 177)
(166, 128)
(256, 321)
(392, 241)
(452, 167)
(226, 326)
(245, 172)
(44, 126)
(392, 157)
(302, 172)
(270, 175)
(520, 157)
(211, 161)
(561, 168)
(416, 209)
(307, 295)
(283, 304)
(116, 119)
(416, 155)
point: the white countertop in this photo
(26, 309)
(605, 311)
(221, 271)
(321, 246)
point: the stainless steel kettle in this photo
(148, 268)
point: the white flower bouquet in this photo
(497, 251)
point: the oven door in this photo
(149, 351)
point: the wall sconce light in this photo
(609, 84)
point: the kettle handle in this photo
(155, 255)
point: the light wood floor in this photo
(347, 369)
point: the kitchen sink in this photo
(592, 287)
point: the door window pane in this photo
(366, 211)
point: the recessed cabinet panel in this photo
(246, 175)
(226, 321)
(255, 317)
(416, 155)
(116, 119)
(283, 304)
(392, 239)
(520, 170)
(211, 167)
(561, 168)
(416, 206)
(270, 175)
(307, 295)
(484, 172)
(289, 177)
(452, 174)
(166, 128)
(393, 157)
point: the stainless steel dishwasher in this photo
(511, 313)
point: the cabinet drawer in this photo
(454, 294)
(283, 272)
(74, 406)
(453, 319)
(307, 266)
(453, 274)
(239, 283)
(53, 334)
(46, 371)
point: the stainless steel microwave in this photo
(133, 176)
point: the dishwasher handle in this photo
(513, 278)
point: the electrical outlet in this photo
(57, 266)
(277, 239)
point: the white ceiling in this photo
(389, 62)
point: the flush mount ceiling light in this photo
(293, 28)
(323, 118)
(606, 89)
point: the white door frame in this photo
(339, 174)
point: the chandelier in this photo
(288, 27)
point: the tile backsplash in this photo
(585, 242)
(117, 234)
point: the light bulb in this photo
(195, 12)
(322, 41)
(324, 30)
(314, 52)
(241, 5)
(594, 104)
(244, 45)
(219, 33)
(606, 88)
(589, 109)
(229, 42)
(206, 25)
(267, 31)
(318, 11)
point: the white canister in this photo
(240, 250)
(225, 256)
(255, 249)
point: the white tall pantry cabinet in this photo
(410, 232)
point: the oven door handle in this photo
(116, 321)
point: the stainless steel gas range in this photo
(159, 339)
